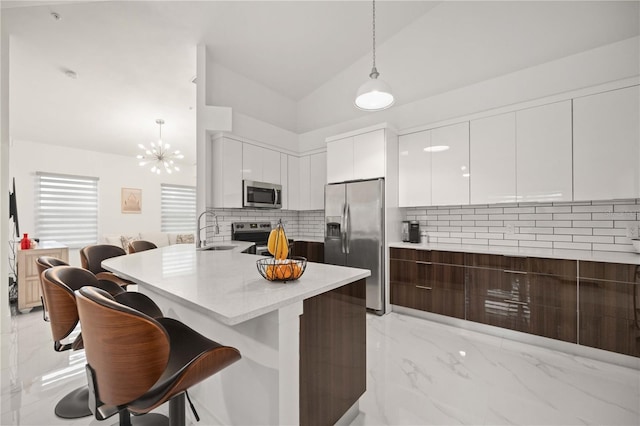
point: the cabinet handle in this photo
(423, 262)
(515, 302)
(424, 288)
(509, 271)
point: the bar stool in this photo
(91, 258)
(135, 363)
(58, 286)
(141, 245)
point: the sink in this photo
(217, 247)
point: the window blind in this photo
(67, 209)
(178, 208)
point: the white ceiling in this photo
(135, 59)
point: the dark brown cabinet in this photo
(531, 295)
(312, 250)
(430, 281)
(594, 304)
(610, 307)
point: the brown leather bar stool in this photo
(91, 258)
(135, 363)
(43, 263)
(141, 245)
(58, 286)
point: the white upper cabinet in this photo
(305, 183)
(606, 139)
(356, 157)
(317, 180)
(414, 169)
(543, 151)
(369, 155)
(450, 165)
(260, 164)
(284, 180)
(226, 185)
(493, 159)
(293, 182)
(340, 160)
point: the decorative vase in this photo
(25, 243)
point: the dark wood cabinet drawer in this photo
(610, 333)
(410, 295)
(312, 250)
(610, 271)
(403, 271)
(448, 258)
(402, 253)
(557, 267)
(493, 261)
(612, 299)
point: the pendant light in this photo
(375, 94)
(158, 155)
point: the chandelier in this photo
(159, 156)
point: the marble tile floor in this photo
(419, 373)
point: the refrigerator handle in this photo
(342, 228)
(348, 230)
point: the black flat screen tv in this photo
(13, 208)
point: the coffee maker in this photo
(414, 231)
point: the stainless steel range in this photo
(255, 232)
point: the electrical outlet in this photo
(632, 230)
(510, 229)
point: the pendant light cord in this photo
(374, 71)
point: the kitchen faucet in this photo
(199, 242)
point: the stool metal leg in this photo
(177, 410)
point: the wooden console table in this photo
(28, 280)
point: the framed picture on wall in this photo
(131, 200)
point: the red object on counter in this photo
(25, 243)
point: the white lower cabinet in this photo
(493, 159)
(414, 169)
(606, 145)
(450, 165)
(543, 153)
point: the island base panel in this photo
(332, 353)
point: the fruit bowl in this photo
(281, 270)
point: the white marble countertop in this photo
(225, 284)
(586, 255)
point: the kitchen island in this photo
(303, 343)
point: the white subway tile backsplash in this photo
(572, 216)
(593, 223)
(597, 225)
(573, 231)
(503, 217)
(591, 209)
(610, 231)
(554, 209)
(613, 247)
(594, 239)
(535, 216)
(554, 223)
(536, 244)
(542, 237)
(573, 246)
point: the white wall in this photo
(597, 66)
(114, 171)
(4, 186)
(227, 88)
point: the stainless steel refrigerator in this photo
(354, 232)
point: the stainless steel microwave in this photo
(261, 195)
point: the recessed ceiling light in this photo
(56, 16)
(71, 74)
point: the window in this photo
(67, 209)
(178, 208)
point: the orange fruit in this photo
(283, 271)
(296, 270)
(270, 272)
